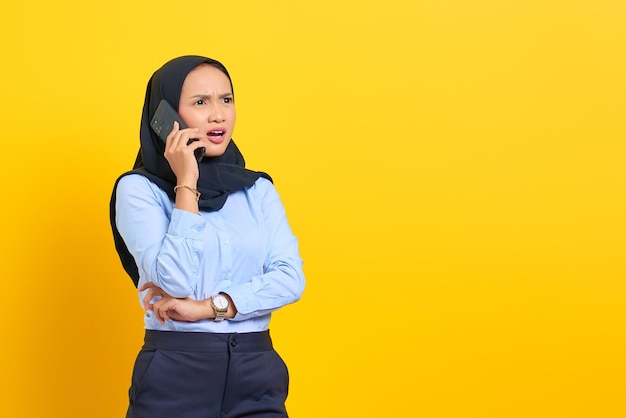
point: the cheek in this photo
(186, 116)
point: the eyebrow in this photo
(208, 96)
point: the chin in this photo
(215, 150)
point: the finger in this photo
(187, 137)
(179, 144)
(171, 138)
(157, 313)
(175, 129)
(181, 136)
(160, 309)
(146, 286)
(147, 298)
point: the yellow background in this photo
(453, 169)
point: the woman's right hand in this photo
(178, 309)
(181, 156)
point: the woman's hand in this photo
(183, 163)
(167, 307)
(181, 156)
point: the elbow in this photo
(174, 289)
(177, 292)
(171, 284)
(296, 284)
(299, 290)
(286, 283)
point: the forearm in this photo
(268, 292)
(182, 309)
(187, 196)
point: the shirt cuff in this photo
(245, 301)
(185, 224)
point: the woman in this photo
(212, 253)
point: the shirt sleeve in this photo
(167, 249)
(282, 281)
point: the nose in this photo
(216, 113)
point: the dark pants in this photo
(205, 375)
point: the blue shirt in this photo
(246, 250)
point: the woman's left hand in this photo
(168, 307)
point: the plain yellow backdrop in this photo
(454, 171)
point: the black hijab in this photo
(219, 176)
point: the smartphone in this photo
(163, 122)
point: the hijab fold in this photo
(219, 176)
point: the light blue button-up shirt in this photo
(246, 249)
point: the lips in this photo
(216, 135)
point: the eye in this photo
(199, 102)
(227, 99)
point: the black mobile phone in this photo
(163, 122)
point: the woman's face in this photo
(207, 103)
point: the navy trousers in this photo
(206, 375)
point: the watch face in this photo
(220, 302)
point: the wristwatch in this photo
(220, 304)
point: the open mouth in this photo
(215, 134)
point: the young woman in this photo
(211, 251)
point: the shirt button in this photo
(226, 242)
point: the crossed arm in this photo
(180, 309)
